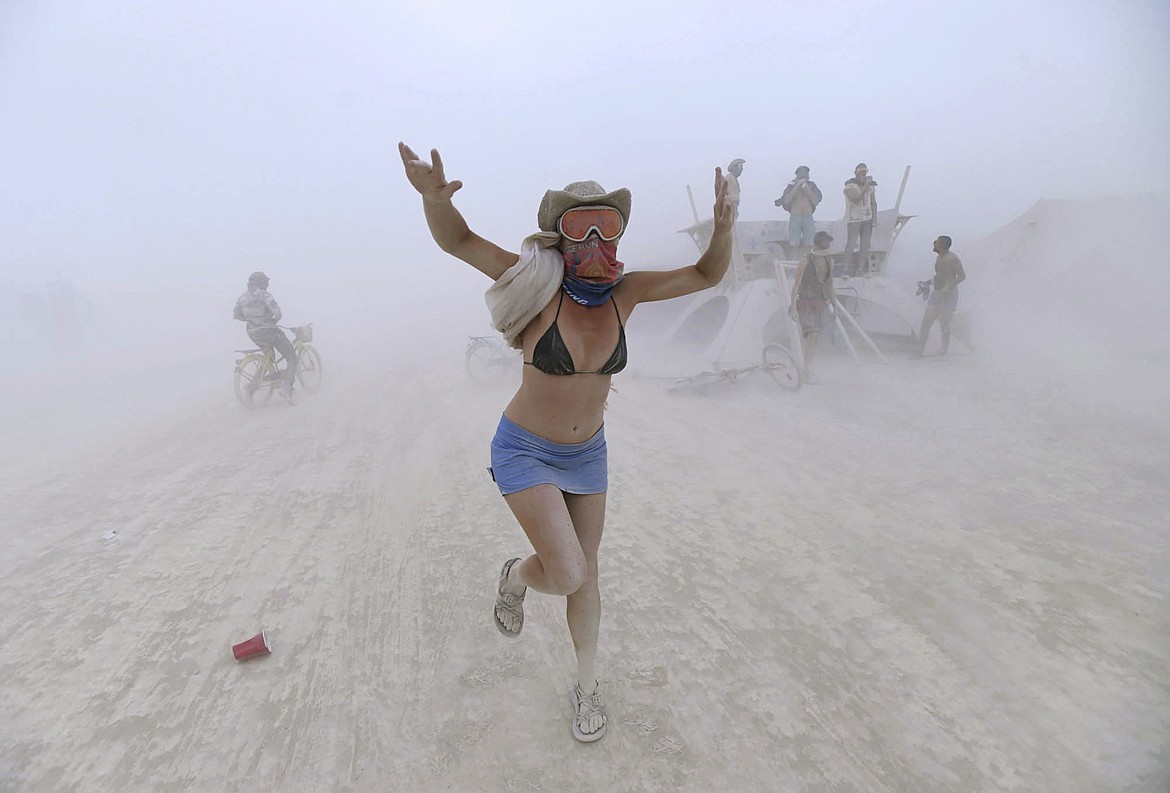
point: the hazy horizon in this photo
(151, 145)
(154, 157)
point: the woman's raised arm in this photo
(649, 285)
(447, 226)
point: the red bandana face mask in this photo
(592, 270)
(593, 260)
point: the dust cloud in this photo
(939, 574)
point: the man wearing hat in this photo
(800, 199)
(860, 217)
(564, 301)
(812, 294)
(734, 171)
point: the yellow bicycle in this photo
(258, 372)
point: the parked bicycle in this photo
(777, 362)
(489, 360)
(259, 372)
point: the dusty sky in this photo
(187, 144)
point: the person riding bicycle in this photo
(259, 309)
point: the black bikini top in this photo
(551, 356)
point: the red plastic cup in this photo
(257, 645)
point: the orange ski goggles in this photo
(577, 222)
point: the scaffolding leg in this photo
(793, 325)
(797, 339)
(857, 326)
(841, 329)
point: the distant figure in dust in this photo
(860, 217)
(944, 298)
(260, 311)
(734, 171)
(549, 451)
(800, 199)
(812, 293)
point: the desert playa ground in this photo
(926, 576)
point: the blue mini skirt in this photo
(521, 460)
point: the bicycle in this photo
(489, 360)
(777, 362)
(258, 372)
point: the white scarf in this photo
(526, 287)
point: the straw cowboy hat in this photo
(556, 202)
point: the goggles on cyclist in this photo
(577, 222)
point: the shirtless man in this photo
(800, 199)
(944, 299)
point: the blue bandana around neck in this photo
(586, 293)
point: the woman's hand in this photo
(724, 211)
(426, 177)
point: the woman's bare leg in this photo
(583, 607)
(559, 566)
(565, 531)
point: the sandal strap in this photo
(588, 706)
(507, 597)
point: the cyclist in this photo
(259, 309)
